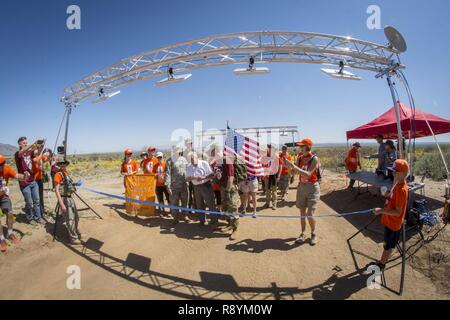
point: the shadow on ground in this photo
(137, 269)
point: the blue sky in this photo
(40, 56)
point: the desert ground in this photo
(125, 257)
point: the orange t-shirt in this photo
(149, 164)
(58, 178)
(304, 163)
(159, 170)
(352, 160)
(130, 167)
(5, 174)
(398, 199)
(284, 169)
(37, 167)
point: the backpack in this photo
(319, 175)
(240, 171)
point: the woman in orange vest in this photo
(353, 161)
(129, 166)
(308, 190)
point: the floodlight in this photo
(105, 96)
(253, 71)
(173, 79)
(338, 74)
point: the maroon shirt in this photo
(24, 164)
(227, 170)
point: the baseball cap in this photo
(128, 151)
(159, 155)
(151, 149)
(2, 159)
(357, 144)
(400, 165)
(305, 142)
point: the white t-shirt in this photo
(202, 169)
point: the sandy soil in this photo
(132, 258)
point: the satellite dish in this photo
(252, 71)
(106, 96)
(344, 75)
(396, 39)
(173, 80)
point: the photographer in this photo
(7, 173)
(29, 187)
(64, 188)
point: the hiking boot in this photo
(300, 239)
(313, 240)
(75, 241)
(12, 237)
(233, 233)
(254, 214)
(3, 246)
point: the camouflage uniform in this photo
(230, 204)
(175, 179)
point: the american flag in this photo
(247, 149)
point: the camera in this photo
(61, 150)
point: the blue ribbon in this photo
(153, 204)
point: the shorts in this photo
(249, 186)
(6, 205)
(308, 195)
(390, 238)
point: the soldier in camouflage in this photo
(230, 195)
(177, 186)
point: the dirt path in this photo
(127, 258)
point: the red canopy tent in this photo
(386, 125)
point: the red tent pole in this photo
(397, 116)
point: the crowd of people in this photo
(217, 182)
(213, 181)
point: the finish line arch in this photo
(265, 46)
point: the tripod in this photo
(58, 213)
(69, 106)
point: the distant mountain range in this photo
(7, 149)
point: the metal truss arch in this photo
(266, 46)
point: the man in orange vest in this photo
(353, 161)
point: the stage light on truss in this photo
(344, 75)
(102, 96)
(340, 73)
(173, 80)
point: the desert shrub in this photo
(431, 163)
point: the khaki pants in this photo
(271, 190)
